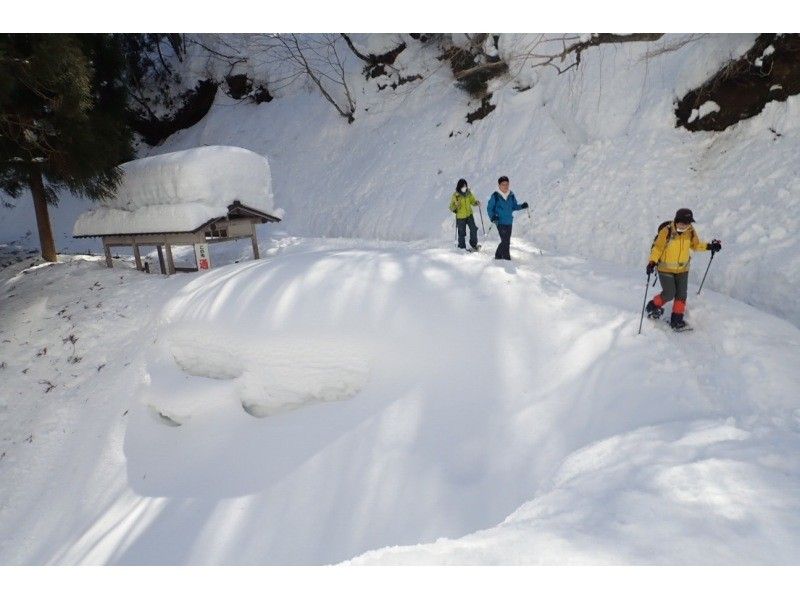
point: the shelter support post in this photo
(107, 251)
(170, 262)
(161, 259)
(254, 240)
(137, 256)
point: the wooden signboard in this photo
(203, 259)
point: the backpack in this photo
(658, 232)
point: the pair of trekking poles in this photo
(483, 230)
(647, 286)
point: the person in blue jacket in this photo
(501, 208)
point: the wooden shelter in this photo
(197, 196)
(238, 223)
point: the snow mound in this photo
(711, 491)
(180, 191)
(472, 389)
(266, 376)
(515, 399)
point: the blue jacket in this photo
(502, 210)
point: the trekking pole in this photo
(706, 274)
(530, 226)
(455, 231)
(480, 211)
(647, 284)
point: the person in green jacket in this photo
(461, 205)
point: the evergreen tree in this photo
(62, 119)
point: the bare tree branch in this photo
(541, 57)
(319, 61)
(354, 50)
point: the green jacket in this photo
(462, 204)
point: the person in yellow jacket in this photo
(670, 255)
(461, 204)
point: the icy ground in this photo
(340, 397)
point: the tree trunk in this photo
(42, 217)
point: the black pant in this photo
(674, 286)
(462, 224)
(504, 249)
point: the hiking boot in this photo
(653, 311)
(677, 321)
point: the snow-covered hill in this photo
(340, 396)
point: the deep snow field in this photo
(366, 393)
(342, 396)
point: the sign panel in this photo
(203, 259)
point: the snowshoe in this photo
(654, 312)
(668, 325)
(677, 322)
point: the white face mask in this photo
(681, 227)
(462, 189)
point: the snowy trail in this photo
(341, 396)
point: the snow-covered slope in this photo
(341, 396)
(595, 151)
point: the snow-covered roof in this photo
(181, 191)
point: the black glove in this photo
(525, 205)
(714, 246)
(650, 267)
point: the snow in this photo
(383, 398)
(768, 51)
(342, 396)
(700, 113)
(699, 484)
(180, 191)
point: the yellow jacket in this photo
(671, 249)
(462, 204)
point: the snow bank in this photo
(707, 501)
(180, 191)
(402, 393)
